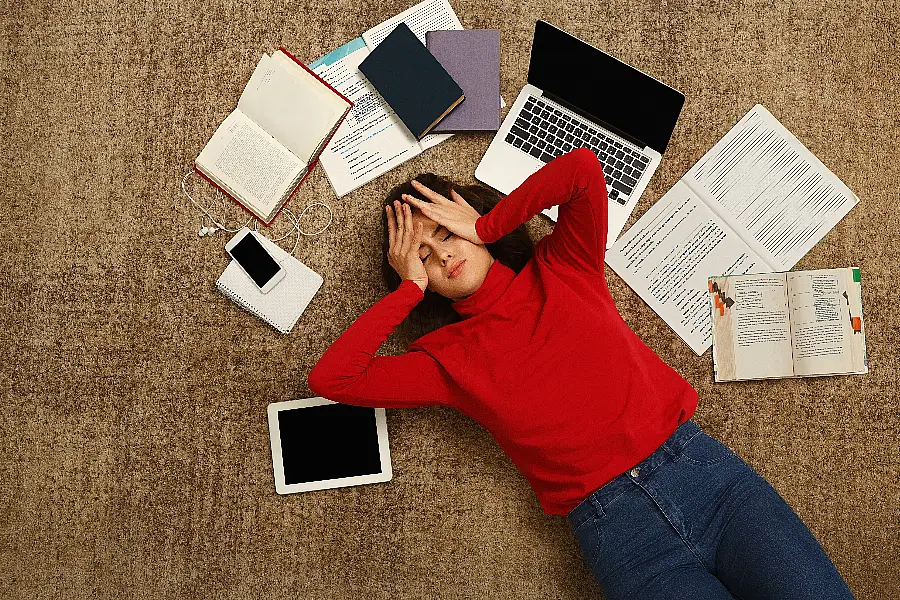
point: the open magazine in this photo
(755, 203)
(795, 324)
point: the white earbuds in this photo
(294, 221)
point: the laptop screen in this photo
(612, 92)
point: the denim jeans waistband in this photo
(593, 504)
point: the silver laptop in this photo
(579, 96)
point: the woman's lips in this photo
(458, 269)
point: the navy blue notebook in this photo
(411, 80)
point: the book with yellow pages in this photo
(264, 149)
(793, 324)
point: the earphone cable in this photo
(294, 220)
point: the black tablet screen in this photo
(328, 442)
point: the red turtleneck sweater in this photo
(542, 359)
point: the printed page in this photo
(771, 189)
(292, 110)
(372, 140)
(249, 163)
(751, 327)
(668, 256)
(430, 15)
(823, 307)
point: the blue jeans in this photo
(695, 521)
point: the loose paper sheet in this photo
(668, 256)
(767, 182)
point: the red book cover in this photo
(313, 159)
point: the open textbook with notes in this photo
(755, 203)
(373, 140)
(794, 324)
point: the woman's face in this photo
(441, 251)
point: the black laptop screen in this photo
(612, 92)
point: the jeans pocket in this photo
(703, 449)
(589, 537)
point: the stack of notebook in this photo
(449, 85)
(283, 305)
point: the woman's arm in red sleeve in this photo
(350, 373)
(575, 182)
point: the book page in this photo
(372, 140)
(751, 327)
(328, 96)
(771, 189)
(290, 107)
(668, 256)
(430, 15)
(249, 163)
(822, 322)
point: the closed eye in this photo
(424, 258)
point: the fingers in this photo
(399, 220)
(408, 233)
(392, 224)
(428, 192)
(429, 209)
(400, 211)
(457, 197)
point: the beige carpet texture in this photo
(134, 444)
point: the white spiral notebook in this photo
(282, 306)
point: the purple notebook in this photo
(472, 58)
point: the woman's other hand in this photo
(456, 215)
(403, 244)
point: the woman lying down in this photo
(598, 424)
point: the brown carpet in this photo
(134, 452)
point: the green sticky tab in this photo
(856, 274)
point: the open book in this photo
(263, 150)
(796, 324)
(373, 140)
(755, 203)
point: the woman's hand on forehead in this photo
(456, 215)
(404, 239)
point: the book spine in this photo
(322, 147)
(296, 187)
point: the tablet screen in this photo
(330, 441)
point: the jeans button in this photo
(635, 472)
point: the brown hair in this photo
(514, 249)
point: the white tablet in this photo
(318, 444)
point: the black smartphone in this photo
(255, 260)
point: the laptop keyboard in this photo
(545, 132)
